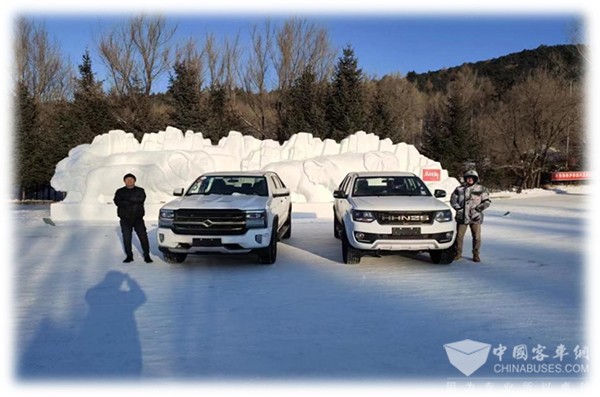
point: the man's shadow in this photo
(108, 345)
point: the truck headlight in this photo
(256, 219)
(363, 216)
(165, 218)
(443, 216)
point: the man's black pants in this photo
(127, 228)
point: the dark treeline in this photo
(514, 117)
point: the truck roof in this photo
(383, 173)
(238, 173)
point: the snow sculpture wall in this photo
(312, 168)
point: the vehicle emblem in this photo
(405, 218)
(207, 223)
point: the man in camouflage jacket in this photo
(469, 200)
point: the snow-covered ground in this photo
(79, 312)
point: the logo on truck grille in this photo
(405, 218)
(206, 223)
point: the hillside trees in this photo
(452, 134)
(534, 117)
(396, 110)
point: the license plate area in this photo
(206, 242)
(406, 231)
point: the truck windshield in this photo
(389, 186)
(229, 185)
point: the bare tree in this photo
(398, 107)
(222, 60)
(577, 37)
(231, 62)
(300, 44)
(255, 79)
(117, 53)
(40, 64)
(211, 52)
(22, 49)
(137, 53)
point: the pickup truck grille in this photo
(209, 222)
(405, 217)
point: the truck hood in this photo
(218, 201)
(398, 203)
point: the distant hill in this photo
(507, 70)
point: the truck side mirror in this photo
(339, 194)
(439, 193)
(178, 192)
(281, 192)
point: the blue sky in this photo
(383, 43)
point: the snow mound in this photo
(310, 167)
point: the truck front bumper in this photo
(378, 238)
(224, 244)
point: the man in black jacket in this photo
(130, 209)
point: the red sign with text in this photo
(431, 175)
(570, 176)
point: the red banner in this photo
(433, 175)
(570, 176)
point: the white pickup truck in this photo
(228, 212)
(383, 212)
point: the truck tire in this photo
(443, 257)
(171, 257)
(288, 225)
(350, 255)
(268, 255)
(336, 226)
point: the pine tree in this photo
(345, 111)
(381, 120)
(462, 147)
(91, 109)
(184, 88)
(303, 108)
(434, 135)
(448, 136)
(220, 116)
(27, 154)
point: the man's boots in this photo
(476, 257)
(458, 254)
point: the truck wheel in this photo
(336, 227)
(350, 255)
(288, 224)
(268, 255)
(171, 257)
(444, 257)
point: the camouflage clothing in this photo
(469, 201)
